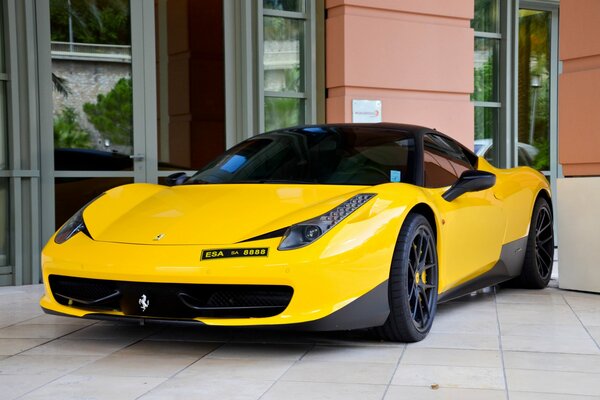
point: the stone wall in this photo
(86, 80)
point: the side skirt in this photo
(508, 266)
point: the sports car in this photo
(325, 227)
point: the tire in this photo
(413, 283)
(539, 255)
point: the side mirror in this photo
(176, 179)
(470, 181)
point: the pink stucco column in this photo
(579, 88)
(414, 55)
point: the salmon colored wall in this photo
(579, 88)
(414, 55)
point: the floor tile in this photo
(102, 332)
(14, 386)
(355, 354)
(549, 344)
(455, 377)
(158, 366)
(561, 331)
(32, 364)
(340, 372)
(234, 369)
(78, 387)
(58, 320)
(270, 351)
(9, 347)
(199, 389)
(548, 396)
(594, 331)
(552, 361)
(459, 341)
(526, 298)
(323, 391)
(193, 334)
(155, 347)
(589, 318)
(35, 331)
(452, 357)
(536, 314)
(427, 393)
(72, 347)
(580, 383)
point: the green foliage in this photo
(542, 159)
(93, 21)
(112, 114)
(67, 131)
(282, 112)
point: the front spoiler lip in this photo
(369, 310)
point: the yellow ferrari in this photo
(328, 227)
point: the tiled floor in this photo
(499, 344)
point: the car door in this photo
(472, 226)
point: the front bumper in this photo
(332, 289)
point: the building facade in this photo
(107, 92)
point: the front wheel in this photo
(413, 283)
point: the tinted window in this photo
(324, 155)
(444, 161)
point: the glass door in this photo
(537, 105)
(95, 146)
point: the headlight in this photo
(306, 232)
(73, 225)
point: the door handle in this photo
(137, 157)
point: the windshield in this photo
(348, 155)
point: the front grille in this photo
(171, 300)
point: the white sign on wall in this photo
(366, 110)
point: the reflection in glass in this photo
(487, 17)
(73, 193)
(487, 77)
(3, 128)
(283, 54)
(4, 221)
(486, 132)
(190, 80)
(2, 56)
(91, 74)
(284, 5)
(282, 112)
(534, 88)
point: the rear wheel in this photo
(413, 283)
(539, 255)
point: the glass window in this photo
(284, 5)
(284, 64)
(4, 221)
(444, 161)
(3, 127)
(91, 74)
(486, 91)
(342, 156)
(486, 129)
(283, 112)
(534, 89)
(487, 16)
(487, 64)
(2, 56)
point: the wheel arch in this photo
(426, 211)
(545, 194)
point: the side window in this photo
(444, 161)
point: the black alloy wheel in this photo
(413, 283)
(539, 255)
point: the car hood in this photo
(206, 214)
